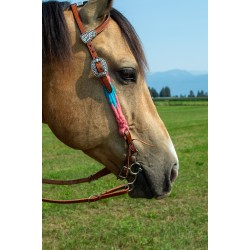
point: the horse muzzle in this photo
(147, 185)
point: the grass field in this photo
(178, 222)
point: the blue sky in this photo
(174, 33)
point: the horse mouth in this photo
(141, 187)
(145, 188)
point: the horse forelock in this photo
(56, 43)
(55, 37)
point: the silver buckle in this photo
(104, 66)
(122, 175)
(88, 36)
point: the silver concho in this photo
(88, 36)
(104, 66)
(78, 4)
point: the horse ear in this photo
(95, 10)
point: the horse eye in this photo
(127, 75)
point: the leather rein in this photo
(131, 167)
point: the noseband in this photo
(100, 70)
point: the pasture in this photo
(177, 222)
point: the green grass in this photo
(172, 101)
(178, 222)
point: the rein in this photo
(100, 70)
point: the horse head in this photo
(75, 106)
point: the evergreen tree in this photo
(153, 92)
(191, 93)
(165, 92)
(201, 94)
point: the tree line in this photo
(166, 92)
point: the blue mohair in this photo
(111, 96)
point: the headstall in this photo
(100, 70)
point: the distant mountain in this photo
(180, 82)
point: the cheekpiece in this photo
(104, 66)
(88, 36)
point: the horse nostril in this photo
(174, 172)
(170, 176)
(167, 187)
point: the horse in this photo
(74, 104)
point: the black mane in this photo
(56, 43)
